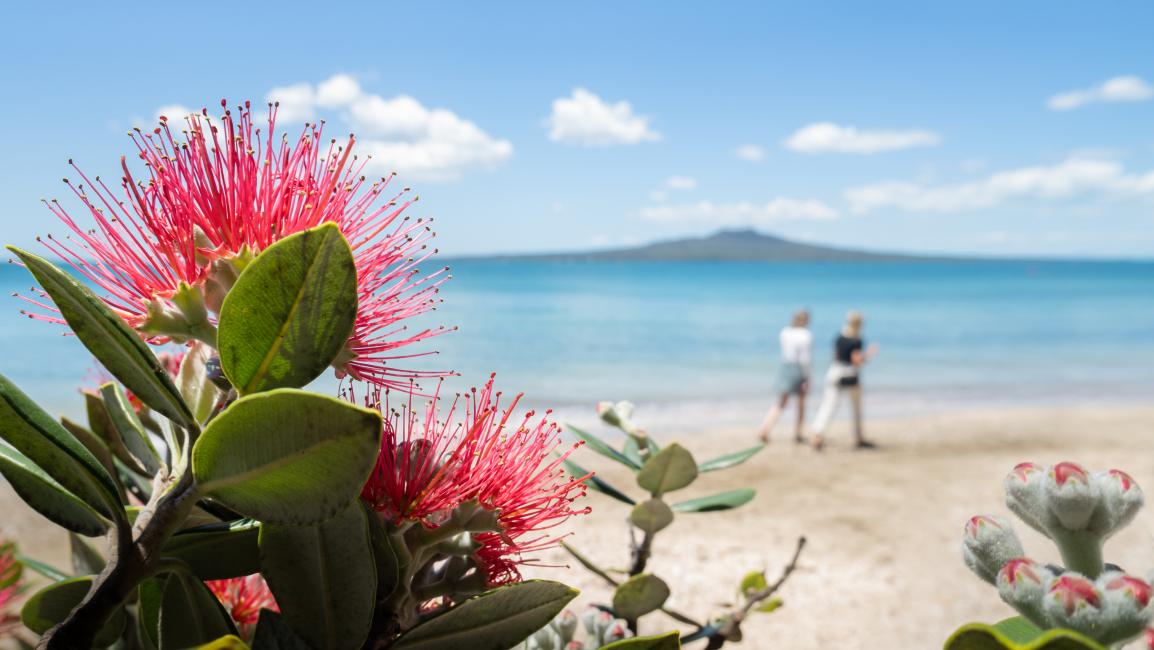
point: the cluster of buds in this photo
(1078, 510)
(601, 629)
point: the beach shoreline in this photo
(882, 567)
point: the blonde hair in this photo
(800, 318)
(853, 323)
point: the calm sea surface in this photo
(700, 339)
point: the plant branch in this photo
(731, 628)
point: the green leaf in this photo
(196, 388)
(149, 595)
(100, 420)
(231, 552)
(600, 446)
(639, 595)
(290, 312)
(391, 557)
(93, 444)
(272, 633)
(651, 516)
(190, 615)
(287, 456)
(323, 577)
(54, 603)
(109, 339)
(729, 460)
(596, 484)
(669, 641)
(495, 620)
(44, 569)
(769, 606)
(47, 444)
(129, 428)
(1017, 634)
(85, 559)
(670, 469)
(48, 497)
(632, 450)
(230, 642)
(715, 502)
(752, 582)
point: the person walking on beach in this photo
(844, 378)
(793, 376)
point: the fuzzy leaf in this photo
(109, 339)
(1017, 634)
(287, 456)
(600, 446)
(597, 484)
(639, 595)
(197, 389)
(651, 516)
(495, 620)
(47, 444)
(715, 502)
(228, 552)
(290, 312)
(190, 615)
(670, 641)
(670, 469)
(129, 428)
(323, 577)
(729, 460)
(48, 497)
(54, 603)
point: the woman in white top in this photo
(793, 375)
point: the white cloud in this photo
(1070, 178)
(585, 119)
(740, 214)
(399, 133)
(1127, 88)
(827, 137)
(681, 183)
(750, 153)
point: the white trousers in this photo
(831, 395)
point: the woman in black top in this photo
(844, 378)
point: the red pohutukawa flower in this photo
(243, 598)
(10, 586)
(223, 190)
(429, 465)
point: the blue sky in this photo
(995, 128)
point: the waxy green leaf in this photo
(600, 446)
(287, 456)
(729, 460)
(323, 577)
(715, 502)
(48, 497)
(190, 615)
(670, 469)
(217, 553)
(639, 595)
(495, 620)
(1018, 634)
(54, 603)
(86, 560)
(670, 641)
(651, 516)
(129, 429)
(47, 444)
(290, 312)
(597, 484)
(109, 339)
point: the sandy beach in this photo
(882, 568)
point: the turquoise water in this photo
(700, 338)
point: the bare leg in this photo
(772, 416)
(799, 430)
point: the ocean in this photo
(694, 344)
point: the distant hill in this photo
(743, 245)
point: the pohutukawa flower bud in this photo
(989, 542)
(1025, 495)
(1072, 495)
(1074, 602)
(617, 415)
(1022, 583)
(1127, 607)
(1121, 499)
(566, 624)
